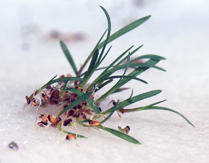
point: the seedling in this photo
(75, 95)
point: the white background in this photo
(177, 30)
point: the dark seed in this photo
(27, 99)
(67, 121)
(70, 113)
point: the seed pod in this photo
(55, 94)
(44, 118)
(70, 113)
(80, 106)
(33, 102)
(57, 120)
(69, 75)
(127, 129)
(70, 137)
(67, 122)
(83, 116)
(76, 115)
(42, 124)
(94, 123)
(62, 76)
(84, 103)
(27, 99)
(51, 119)
(13, 145)
(87, 111)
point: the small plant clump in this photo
(76, 97)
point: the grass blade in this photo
(69, 57)
(132, 77)
(121, 135)
(133, 99)
(166, 109)
(125, 29)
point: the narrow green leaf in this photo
(132, 77)
(48, 83)
(120, 90)
(131, 53)
(68, 56)
(132, 100)
(121, 135)
(98, 79)
(108, 32)
(125, 29)
(91, 66)
(135, 73)
(148, 56)
(164, 108)
(103, 84)
(90, 55)
(117, 85)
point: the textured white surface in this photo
(177, 30)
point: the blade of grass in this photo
(132, 77)
(149, 56)
(68, 56)
(91, 66)
(104, 73)
(117, 34)
(120, 134)
(90, 55)
(166, 109)
(116, 86)
(125, 29)
(131, 53)
(103, 84)
(133, 99)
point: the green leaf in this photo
(125, 29)
(148, 56)
(48, 83)
(108, 31)
(131, 53)
(132, 77)
(91, 66)
(103, 84)
(117, 85)
(132, 100)
(68, 56)
(166, 109)
(90, 55)
(121, 135)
